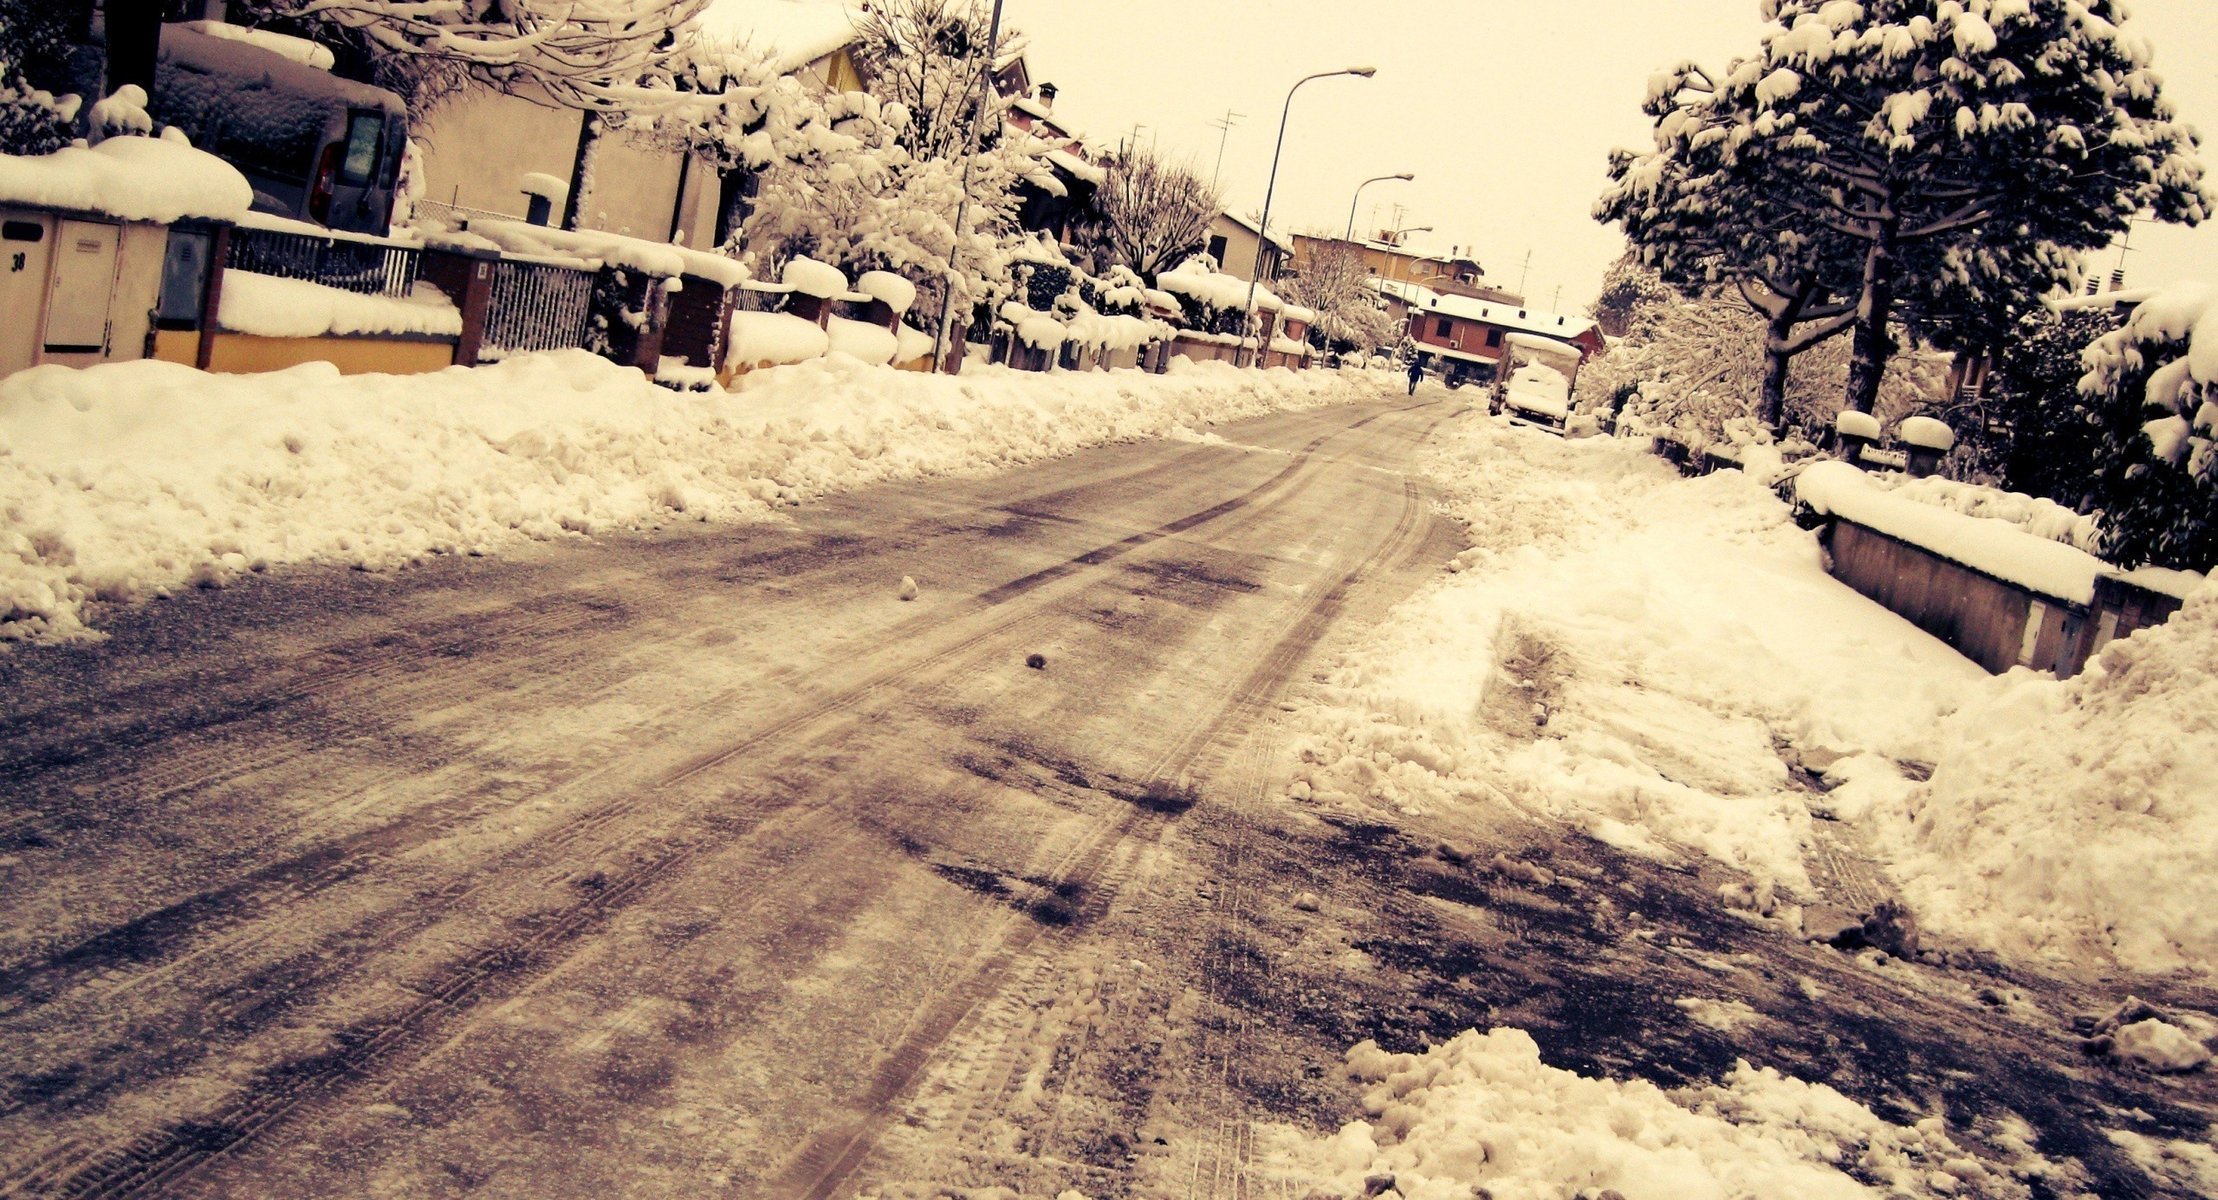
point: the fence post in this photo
(211, 297)
(466, 276)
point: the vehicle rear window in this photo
(364, 132)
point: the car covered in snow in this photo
(314, 146)
(1536, 395)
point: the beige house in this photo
(482, 150)
(1236, 242)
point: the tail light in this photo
(327, 180)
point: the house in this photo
(1065, 182)
(1453, 273)
(1473, 338)
(480, 148)
(1237, 243)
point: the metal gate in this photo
(537, 306)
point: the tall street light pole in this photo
(1349, 236)
(1270, 187)
(962, 206)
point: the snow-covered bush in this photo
(1693, 367)
(2154, 385)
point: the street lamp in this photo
(1349, 236)
(1270, 187)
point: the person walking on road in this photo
(1416, 372)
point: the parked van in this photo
(316, 147)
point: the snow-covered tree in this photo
(1630, 289)
(1336, 281)
(932, 58)
(2153, 395)
(1709, 222)
(32, 119)
(1151, 213)
(1693, 371)
(1988, 140)
(594, 55)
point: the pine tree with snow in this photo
(1708, 222)
(2152, 394)
(1987, 139)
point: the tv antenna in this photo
(1224, 125)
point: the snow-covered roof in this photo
(792, 33)
(1076, 166)
(1506, 316)
(1255, 227)
(298, 49)
(130, 179)
(1216, 289)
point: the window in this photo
(364, 131)
(184, 279)
(1440, 328)
(1493, 337)
(1217, 250)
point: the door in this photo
(84, 282)
(26, 246)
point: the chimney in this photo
(1047, 96)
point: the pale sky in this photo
(1505, 110)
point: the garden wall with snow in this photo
(1650, 659)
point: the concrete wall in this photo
(1984, 618)
(478, 147)
(246, 353)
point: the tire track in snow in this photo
(821, 1167)
(168, 1155)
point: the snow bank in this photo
(133, 479)
(812, 278)
(129, 178)
(273, 307)
(1999, 548)
(2040, 517)
(892, 290)
(873, 344)
(774, 338)
(614, 249)
(1624, 651)
(1482, 1115)
(2079, 820)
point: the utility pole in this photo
(1522, 272)
(1224, 124)
(962, 204)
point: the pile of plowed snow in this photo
(1483, 1116)
(130, 480)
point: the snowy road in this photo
(674, 864)
(702, 864)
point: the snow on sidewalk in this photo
(1625, 651)
(130, 480)
(1484, 1115)
(1638, 656)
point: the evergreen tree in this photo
(1984, 139)
(2154, 404)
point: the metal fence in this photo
(371, 268)
(537, 306)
